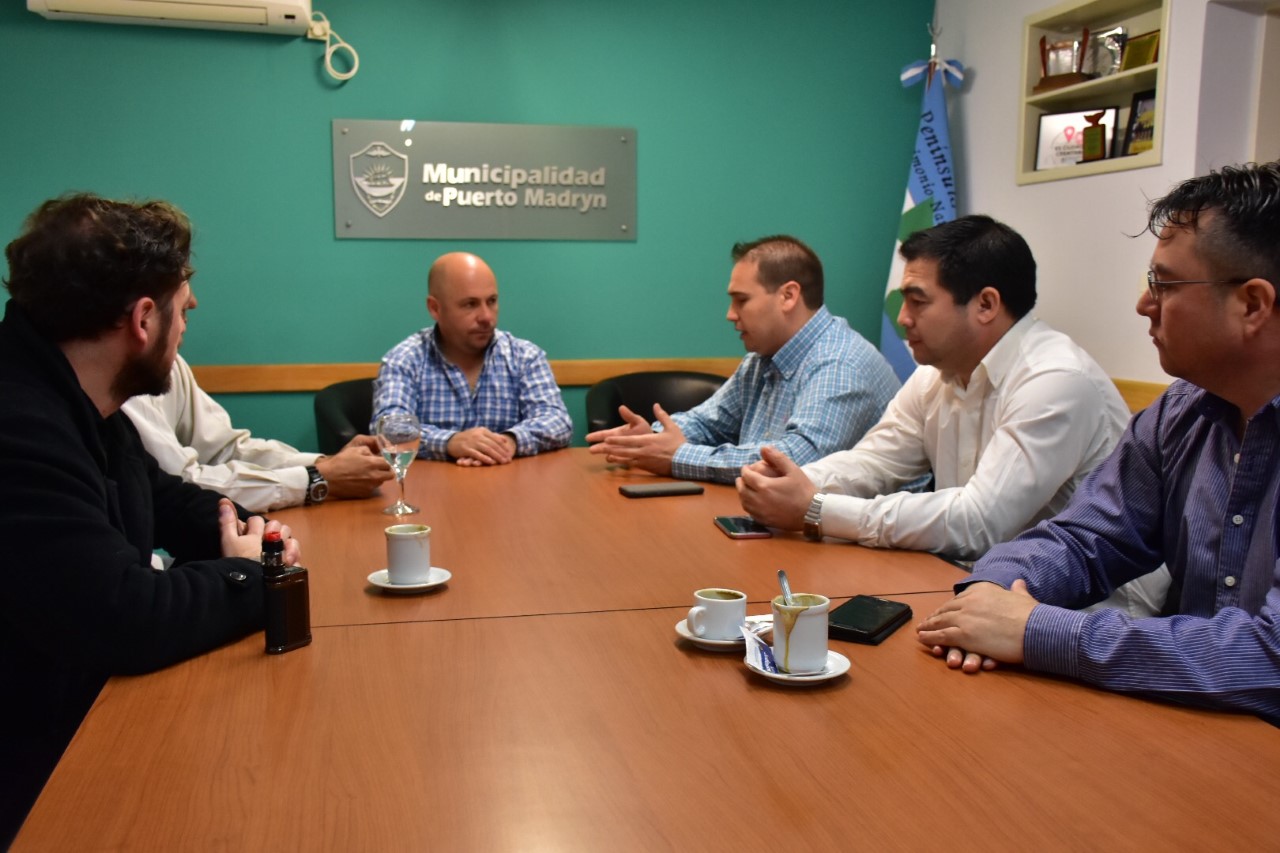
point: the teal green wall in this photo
(751, 120)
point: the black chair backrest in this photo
(675, 390)
(343, 410)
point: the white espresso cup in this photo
(800, 633)
(408, 553)
(717, 614)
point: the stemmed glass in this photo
(399, 435)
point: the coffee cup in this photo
(717, 614)
(408, 553)
(800, 633)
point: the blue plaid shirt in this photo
(818, 394)
(1182, 489)
(515, 394)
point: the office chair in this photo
(343, 410)
(676, 390)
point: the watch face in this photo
(319, 491)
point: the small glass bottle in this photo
(288, 598)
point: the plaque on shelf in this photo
(1061, 141)
(1140, 133)
(1141, 50)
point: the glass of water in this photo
(399, 435)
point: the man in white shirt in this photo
(1008, 414)
(191, 436)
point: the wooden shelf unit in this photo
(1066, 21)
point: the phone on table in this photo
(742, 527)
(867, 619)
(659, 490)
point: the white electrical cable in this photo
(321, 31)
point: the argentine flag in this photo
(931, 192)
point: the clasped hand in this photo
(481, 446)
(244, 538)
(981, 626)
(636, 444)
(356, 470)
(775, 491)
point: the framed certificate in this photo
(1061, 139)
(1140, 50)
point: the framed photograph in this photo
(1061, 140)
(1139, 134)
(1140, 50)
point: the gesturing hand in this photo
(635, 425)
(638, 446)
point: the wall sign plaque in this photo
(453, 180)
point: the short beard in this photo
(148, 373)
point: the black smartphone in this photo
(658, 490)
(742, 527)
(867, 619)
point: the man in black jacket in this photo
(99, 294)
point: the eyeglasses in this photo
(1156, 287)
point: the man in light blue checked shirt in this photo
(809, 385)
(483, 395)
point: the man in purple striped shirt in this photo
(1193, 484)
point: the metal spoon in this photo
(786, 588)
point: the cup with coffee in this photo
(408, 553)
(800, 633)
(717, 614)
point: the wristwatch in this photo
(317, 487)
(813, 518)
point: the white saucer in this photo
(435, 578)
(765, 620)
(837, 665)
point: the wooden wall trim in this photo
(1138, 395)
(266, 378)
(570, 373)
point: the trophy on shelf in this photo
(1094, 145)
(1062, 63)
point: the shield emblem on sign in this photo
(379, 174)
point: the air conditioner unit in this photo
(284, 17)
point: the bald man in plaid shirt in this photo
(483, 396)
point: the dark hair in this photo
(780, 259)
(974, 252)
(1242, 237)
(82, 261)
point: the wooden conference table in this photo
(541, 701)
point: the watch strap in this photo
(317, 486)
(813, 518)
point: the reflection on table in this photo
(542, 701)
(551, 534)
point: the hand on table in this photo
(637, 445)
(775, 491)
(244, 538)
(356, 470)
(481, 446)
(981, 626)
